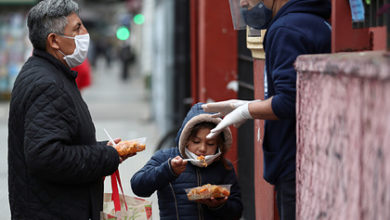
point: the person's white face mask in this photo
(80, 52)
(208, 158)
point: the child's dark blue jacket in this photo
(299, 27)
(172, 199)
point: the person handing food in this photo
(294, 27)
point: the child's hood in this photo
(195, 116)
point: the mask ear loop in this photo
(61, 52)
(64, 55)
(68, 37)
(61, 35)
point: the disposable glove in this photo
(236, 118)
(224, 107)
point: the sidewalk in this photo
(4, 208)
(123, 109)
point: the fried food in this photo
(126, 148)
(202, 159)
(207, 191)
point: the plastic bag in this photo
(122, 207)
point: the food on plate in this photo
(202, 159)
(126, 148)
(207, 191)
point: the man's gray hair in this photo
(48, 16)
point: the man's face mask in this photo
(80, 52)
(257, 17)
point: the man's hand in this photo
(178, 165)
(224, 107)
(116, 140)
(213, 202)
(236, 118)
(123, 158)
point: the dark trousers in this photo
(285, 197)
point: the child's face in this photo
(199, 145)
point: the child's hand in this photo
(213, 202)
(178, 165)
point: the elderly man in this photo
(56, 166)
(294, 27)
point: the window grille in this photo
(377, 14)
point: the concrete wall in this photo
(343, 135)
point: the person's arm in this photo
(255, 109)
(156, 174)
(262, 110)
(285, 44)
(49, 149)
(223, 108)
(282, 104)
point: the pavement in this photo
(4, 209)
(121, 107)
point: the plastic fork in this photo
(190, 160)
(108, 135)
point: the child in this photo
(169, 174)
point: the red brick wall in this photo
(343, 136)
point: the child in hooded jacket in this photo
(170, 175)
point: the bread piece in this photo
(126, 148)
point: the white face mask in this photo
(208, 158)
(80, 52)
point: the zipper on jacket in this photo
(174, 197)
(199, 180)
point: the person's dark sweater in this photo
(299, 27)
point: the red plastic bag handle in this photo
(115, 180)
(115, 193)
(120, 185)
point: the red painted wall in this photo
(214, 55)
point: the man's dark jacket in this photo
(56, 167)
(299, 27)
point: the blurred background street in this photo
(123, 109)
(150, 60)
(119, 96)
